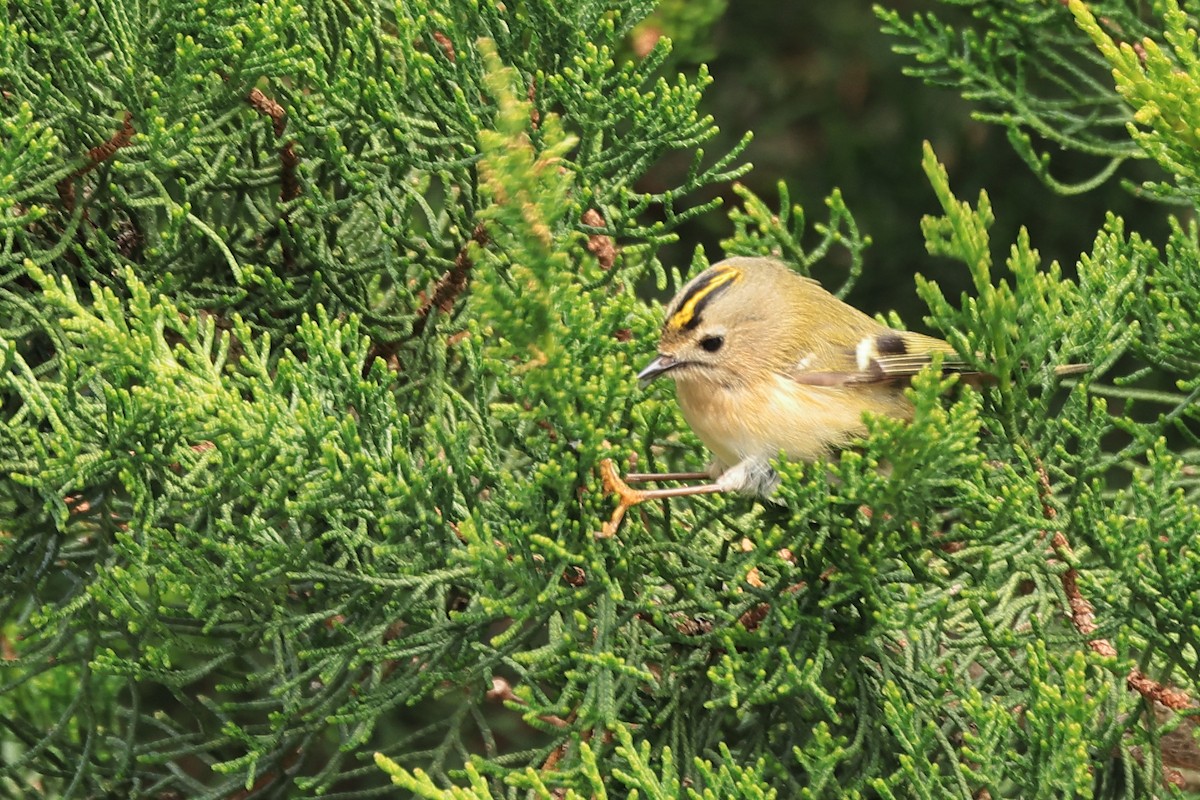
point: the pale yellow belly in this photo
(805, 422)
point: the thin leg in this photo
(628, 498)
(650, 477)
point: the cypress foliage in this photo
(316, 320)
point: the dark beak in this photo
(657, 367)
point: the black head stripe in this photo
(687, 315)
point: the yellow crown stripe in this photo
(685, 316)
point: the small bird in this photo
(765, 360)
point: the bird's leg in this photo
(651, 477)
(628, 497)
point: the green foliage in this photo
(257, 546)
(636, 770)
(316, 320)
(1028, 68)
(1159, 83)
(760, 232)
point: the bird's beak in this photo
(657, 367)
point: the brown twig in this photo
(1147, 687)
(1162, 698)
(289, 184)
(454, 282)
(447, 46)
(120, 139)
(600, 245)
(752, 618)
(556, 755)
(535, 117)
(502, 692)
(96, 156)
(442, 299)
(270, 108)
(1083, 614)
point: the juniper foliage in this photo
(316, 319)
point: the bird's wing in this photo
(880, 357)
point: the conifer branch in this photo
(502, 691)
(1083, 615)
(600, 245)
(441, 299)
(453, 283)
(95, 157)
(271, 777)
(234, 562)
(289, 160)
(289, 184)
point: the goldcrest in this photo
(766, 361)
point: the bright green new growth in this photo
(307, 363)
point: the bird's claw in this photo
(627, 497)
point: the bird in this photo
(765, 361)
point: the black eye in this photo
(712, 343)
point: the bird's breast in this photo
(777, 414)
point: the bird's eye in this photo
(712, 343)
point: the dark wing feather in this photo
(879, 358)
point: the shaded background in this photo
(829, 105)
